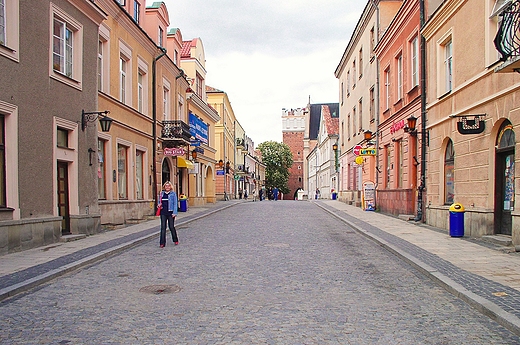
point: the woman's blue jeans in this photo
(171, 226)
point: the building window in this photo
(342, 133)
(140, 75)
(372, 40)
(161, 34)
(137, 7)
(348, 83)
(342, 93)
(415, 61)
(360, 114)
(181, 107)
(166, 103)
(139, 182)
(387, 88)
(348, 126)
(399, 77)
(122, 78)
(354, 119)
(199, 84)
(176, 57)
(449, 167)
(62, 138)
(62, 48)
(372, 104)
(360, 62)
(122, 177)
(2, 22)
(10, 29)
(448, 63)
(354, 74)
(101, 169)
(3, 201)
(100, 65)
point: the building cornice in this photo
(441, 15)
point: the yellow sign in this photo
(359, 160)
(367, 152)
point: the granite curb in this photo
(26, 284)
(480, 303)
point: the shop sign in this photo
(174, 151)
(397, 126)
(369, 196)
(367, 152)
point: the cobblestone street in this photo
(268, 272)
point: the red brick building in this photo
(293, 129)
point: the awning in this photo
(183, 163)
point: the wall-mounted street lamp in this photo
(411, 122)
(194, 154)
(92, 116)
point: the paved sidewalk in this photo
(482, 275)
(27, 269)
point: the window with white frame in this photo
(348, 126)
(62, 48)
(166, 103)
(161, 34)
(140, 91)
(448, 66)
(372, 40)
(67, 48)
(122, 78)
(10, 29)
(399, 77)
(414, 53)
(387, 88)
(199, 83)
(103, 58)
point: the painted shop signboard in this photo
(369, 196)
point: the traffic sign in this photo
(356, 149)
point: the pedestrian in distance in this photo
(275, 193)
(168, 211)
(254, 194)
(261, 194)
(245, 194)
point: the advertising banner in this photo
(198, 129)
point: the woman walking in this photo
(168, 205)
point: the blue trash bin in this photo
(456, 220)
(334, 196)
(183, 205)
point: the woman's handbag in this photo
(158, 213)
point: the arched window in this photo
(449, 164)
(506, 138)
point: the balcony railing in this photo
(507, 40)
(175, 133)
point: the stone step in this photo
(70, 238)
(501, 240)
(406, 217)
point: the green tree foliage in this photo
(277, 158)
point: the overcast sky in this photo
(269, 54)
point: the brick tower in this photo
(293, 129)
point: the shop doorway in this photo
(504, 179)
(166, 172)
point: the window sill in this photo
(413, 89)
(66, 80)
(444, 95)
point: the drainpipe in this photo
(154, 123)
(422, 185)
(376, 93)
